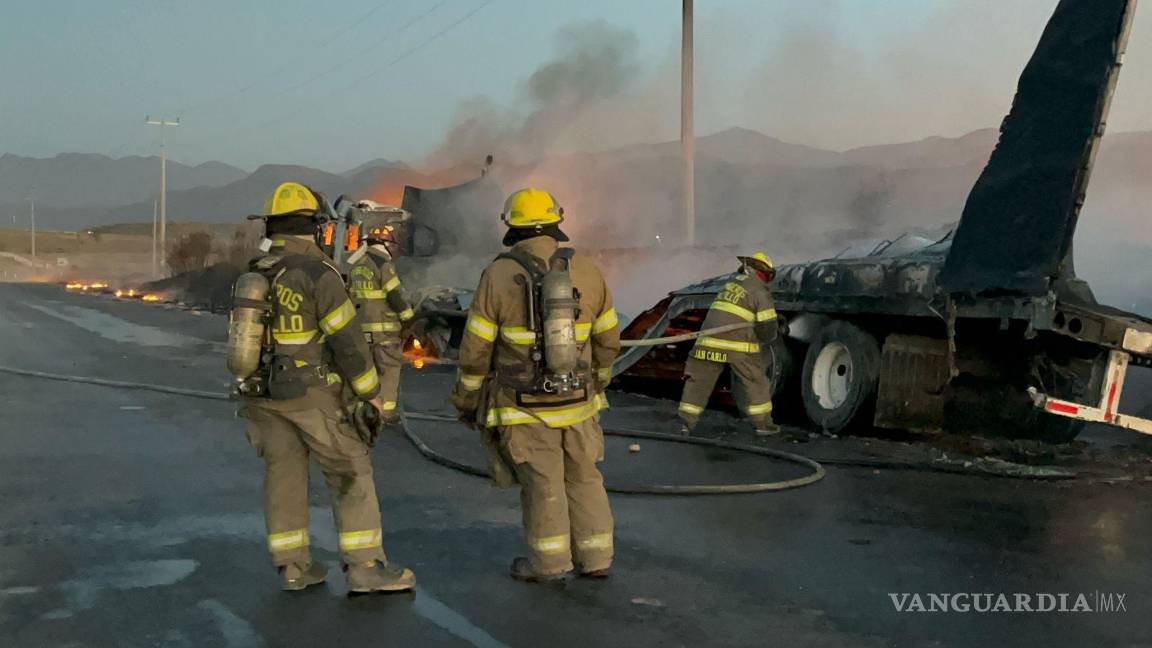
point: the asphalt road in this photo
(132, 518)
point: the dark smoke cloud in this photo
(581, 116)
(587, 97)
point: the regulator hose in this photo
(816, 475)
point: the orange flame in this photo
(151, 297)
(417, 353)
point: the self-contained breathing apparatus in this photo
(552, 308)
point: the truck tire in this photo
(841, 372)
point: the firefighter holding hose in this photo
(745, 299)
(297, 351)
(537, 353)
(381, 305)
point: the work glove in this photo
(368, 422)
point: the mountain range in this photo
(747, 182)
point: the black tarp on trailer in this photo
(460, 218)
(1017, 227)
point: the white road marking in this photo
(19, 590)
(115, 328)
(234, 628)
(82, 592)
(455, 623)
(323, 535)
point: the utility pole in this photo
(32, 218)
(163, 124)
(687, 135)
(155, 271)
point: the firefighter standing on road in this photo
(381, 306)
(541, 426)
(744, 299)
(315, 351)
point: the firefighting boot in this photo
(766, 427)
(596, 574)
(297, 576)
(377, 576)
(522, 571)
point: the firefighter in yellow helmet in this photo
(744, 299)
(380, 303)
(537, 353)
(314, 360)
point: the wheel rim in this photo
(832, 375)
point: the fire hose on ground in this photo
(817, 471)
(816, 466)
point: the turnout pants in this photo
(566, 513)
(285, 440)
(750, 385)
(389, 359)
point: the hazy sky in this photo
(332, 84)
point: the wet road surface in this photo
(133, 518)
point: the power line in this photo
(302, 106)
(284, 67)
(419, 47)
(356, 23)
(360, 54)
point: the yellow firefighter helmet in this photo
(759, 261)
(290, 198)
(531, 208)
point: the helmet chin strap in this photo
(355, 257)
(382, 247)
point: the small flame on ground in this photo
(418, 348)
(415, 352)
(151, 297)
(119, 293)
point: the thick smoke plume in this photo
(584, 98)
(587, 125)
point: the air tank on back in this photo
(246, 324)
(559, 306)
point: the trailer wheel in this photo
(841, 371)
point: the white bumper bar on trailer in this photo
(1106, 410)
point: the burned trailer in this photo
(987, 329)
(453, 220)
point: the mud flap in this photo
(913, 383)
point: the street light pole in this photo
(155, 270)
(687, 134)
(32, 218)
(163, 124)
